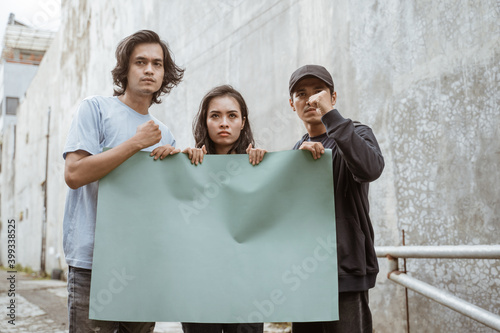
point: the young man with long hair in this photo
(144, 70)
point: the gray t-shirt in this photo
(98, 123)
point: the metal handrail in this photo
(442, 297)
(444, 251)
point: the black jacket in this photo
(357, 160)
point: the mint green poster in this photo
(221, 242)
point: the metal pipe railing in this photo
(442, 297)
(444, 251)
(445, 298)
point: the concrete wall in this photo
(423, 75)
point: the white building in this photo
(23, 50)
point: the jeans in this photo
(78, 308)
(226, 328)
(354, 315)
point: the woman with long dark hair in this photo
(222, 127)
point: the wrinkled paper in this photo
(221, 242)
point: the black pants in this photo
(226, 328)
(354, 314)
(78, 308)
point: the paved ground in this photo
(41, 307)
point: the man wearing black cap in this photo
(357, 160)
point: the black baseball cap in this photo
(317, 71)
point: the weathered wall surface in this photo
(441, 118)
(423, 75)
